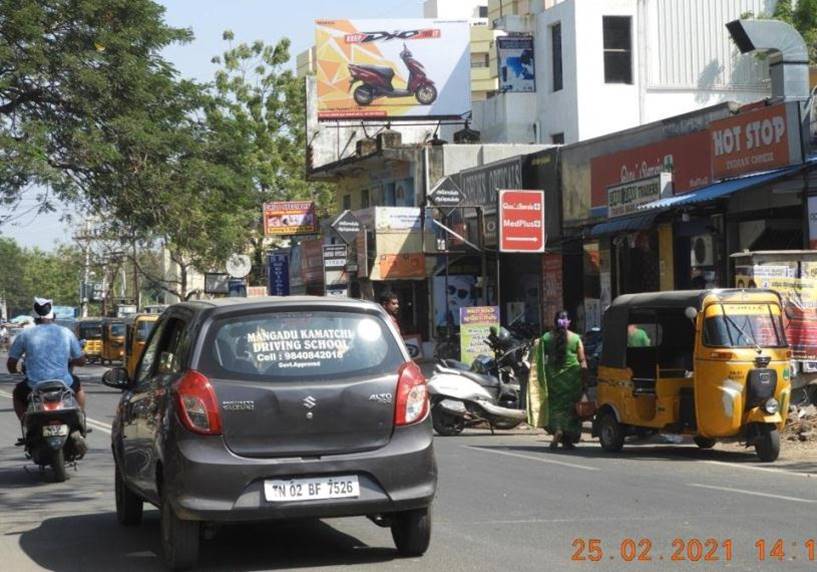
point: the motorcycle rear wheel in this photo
(446, 425)
(363, 95)
(58, 465)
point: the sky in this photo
(249, 20)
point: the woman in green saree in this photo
(559, 383)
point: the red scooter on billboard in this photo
(377, 81)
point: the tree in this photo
(88, 107)
(262, 102)
(802, 15)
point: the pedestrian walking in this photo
(558, 383)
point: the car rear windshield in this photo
(290, 346)
(743, 326)
(90, 331)
(117, 330)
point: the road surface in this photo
(505, 502)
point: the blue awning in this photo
(625, 224)
(721, 190)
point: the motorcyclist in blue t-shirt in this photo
(50, 351)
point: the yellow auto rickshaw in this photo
(137, 330)
(713, 364)
(113, 340)
(89, 332)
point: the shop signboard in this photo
(398, 219)
(278, 273)
(401, 266)
(336, 279)
(516, 64)
(625, 199)
(521, 221)
(812, 222)
(311, 261)
(446, 193)
(475, 327)
(392, 68)
(287, 218)
(687, 157)
(756, 140)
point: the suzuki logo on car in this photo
(310, 402)
(382, 398)
(365, 37)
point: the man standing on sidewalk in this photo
(391, 304)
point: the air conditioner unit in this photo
(702, 251)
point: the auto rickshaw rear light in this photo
(412, 395)
(719, 354)
(196, 404)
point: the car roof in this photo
(263, 302)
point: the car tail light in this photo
(196, 404)
(412, 395)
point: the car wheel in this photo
(704, 442)
(446, 425)
(58, 465)
(411, 531)
(611, 433)
(180, 539)
(128, 504)
(767, 444)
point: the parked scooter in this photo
(488, 391)
(54, 427)
(377, 81)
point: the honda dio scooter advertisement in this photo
(392, 69)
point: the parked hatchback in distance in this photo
(273, 408)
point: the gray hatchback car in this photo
(274, 408)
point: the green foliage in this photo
(29, 272)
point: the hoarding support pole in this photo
(448, 320)
(484, 257)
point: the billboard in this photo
(289, 218)
(392, 69)
(516, 64)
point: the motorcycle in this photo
(54, 428)
(490, 390)
(377, 81)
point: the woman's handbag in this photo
(585, 408)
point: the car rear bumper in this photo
(206, 481)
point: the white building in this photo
(607, 65)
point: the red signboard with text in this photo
(752, 141)
(686, 156)
(521, 221)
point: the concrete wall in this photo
(507, 118)
(452, 9)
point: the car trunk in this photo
(284, 419)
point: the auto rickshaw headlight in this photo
(771, 406)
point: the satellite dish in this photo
(238, 265)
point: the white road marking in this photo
(531, 458)
(762, 469)
(104, 427)
(753, 493)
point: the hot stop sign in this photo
(521, 221)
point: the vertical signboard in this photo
(475, 326)
(551, 286)
(516, 64)
(278, 273)
(812, 222)
(336, 279)
(521, 221)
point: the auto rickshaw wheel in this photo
(767, 443)
(611, 433)
(704, 442)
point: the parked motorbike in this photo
(487, 391)
(54, 428)
(377, 81)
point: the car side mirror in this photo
(691, 313)
(116, 378)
